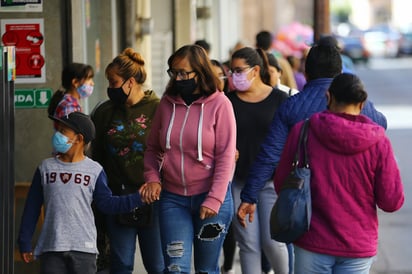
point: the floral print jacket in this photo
(120, 142)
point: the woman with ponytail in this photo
(255, 102)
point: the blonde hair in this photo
(129, 64)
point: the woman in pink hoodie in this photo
(354, 171)
(189, 162)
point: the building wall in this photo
(256, 16)
(32, 127)
(161, 43)
(89, 41)
(270, 15)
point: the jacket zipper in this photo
(182, 156)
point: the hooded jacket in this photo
(353, 170)
(294, 109)
(191, 149)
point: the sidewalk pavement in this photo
(394, 250)
(380, 266)
(139, 268)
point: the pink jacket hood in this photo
(341, 136)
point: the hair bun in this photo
(133, 55)
(348, 88)
(328, 41)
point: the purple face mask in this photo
(240, 80)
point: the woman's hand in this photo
(236, 155)
(206, 212)
(27, 257)
(244, 210)
(150, 192)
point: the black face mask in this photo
(185, 87)
(117, 95)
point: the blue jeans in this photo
(307, 262)
(123, 245)
(256, 236)
(181, 228)
(68, 262)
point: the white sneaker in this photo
(230, 271)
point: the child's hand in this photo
(150, 192)
(27, 257)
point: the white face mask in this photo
(240, 80)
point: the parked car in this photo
(382, 40)
(353, 46)
(405, 44)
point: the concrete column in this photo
(78, 39)
(185, 22)
(144, 40)
(321, 18)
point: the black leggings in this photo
(229, 249)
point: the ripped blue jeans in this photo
(181, 229)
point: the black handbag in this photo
(138, 217)
(292, 211)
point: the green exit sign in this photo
(32, 98)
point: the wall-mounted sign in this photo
(21, 6)
(27, 35)
(32, 98)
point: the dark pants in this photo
(68, 262)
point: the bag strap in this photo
(303, 137)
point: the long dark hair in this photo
(255, 57)
(207, 81)
(226, 81)
(77, 71)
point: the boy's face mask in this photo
(61, 143)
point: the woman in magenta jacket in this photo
(354, 171)
(190, 159)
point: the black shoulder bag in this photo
(292, 211)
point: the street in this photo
(388, 86)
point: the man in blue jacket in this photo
(323, 63)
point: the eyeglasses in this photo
(183, 75)
(222, 76)
(239, 70)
